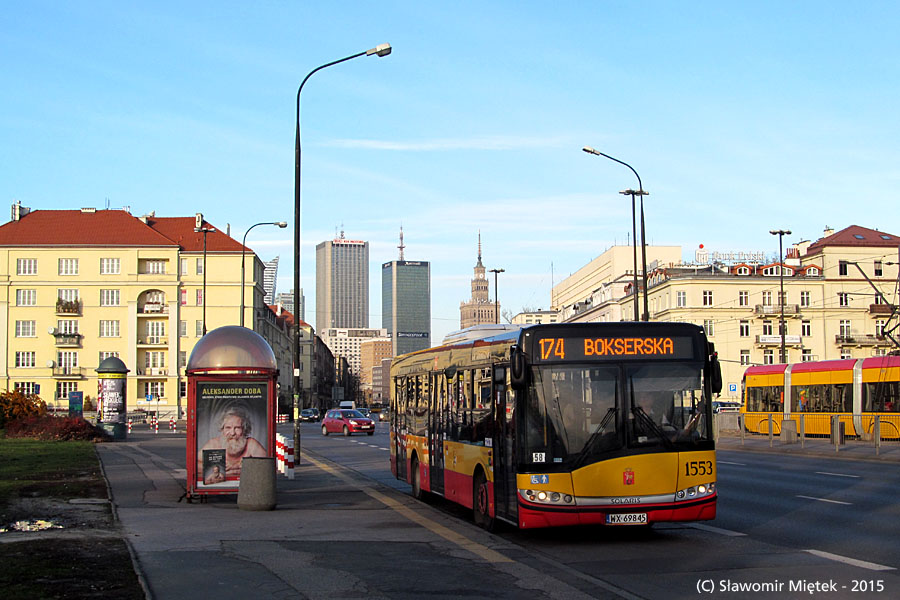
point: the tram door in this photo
(437, 416)
(505, 487)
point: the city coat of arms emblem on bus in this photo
(628, 477)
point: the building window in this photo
(183, 266)
(182, 389)
(804, 298)
(767, 298)
(707, 298)
(199, 297)
(806, 355)
(68, 266)
(67, 361)
(743, 298)
(110, 266)
(843, 299)
(846, 354)
(68, 295)
(25, 329)
(198, 329)
(26, 297)
(812, 272)
(25, 359)
(109, 297)
(767, 327)
(63, 388)
(155, 267)
(745, 358)
(845, 327)
(155, 360)
(26, 387)
(879, 327)
(26, 266)
(744, 329)
(182, 328)
(156, 332)
(805, 328)
(105, 355)
(67, 326)
(155, 389)
(109, 329)
(842, 267)
(200, 266)
(782, 298)
(768, 357)
(879, 270)
(680, 299)
(743, 270)
(708, 327)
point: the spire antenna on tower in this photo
(401, 246)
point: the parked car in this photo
(310, 415)
(726, 406)
(365, 412)
(342, 420)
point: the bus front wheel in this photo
(481, 503)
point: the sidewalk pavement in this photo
(889, 451)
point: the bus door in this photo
(505, 487)
(437, 417)
(399, 425)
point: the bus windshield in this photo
(577, 414)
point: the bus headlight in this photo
(546, 497)
(696, 491)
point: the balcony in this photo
(153, 308)
(861, 339)
(66, 372)
(153, 372)
(770, 310)
(68, 340)
(153, 340)
(68, 307)
(775, 340)
(880, 309)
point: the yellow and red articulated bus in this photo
(854, 390)
(562, 424)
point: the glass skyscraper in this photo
(342, 284)
(406, 304)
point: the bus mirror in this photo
(499, 375)
(450, 372)
(517, 370)
(716, 375)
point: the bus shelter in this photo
(232, 376)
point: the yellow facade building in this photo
(839, 294)
(83, 285)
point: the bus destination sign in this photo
(612, 348)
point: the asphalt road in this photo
(786, 526)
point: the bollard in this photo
(289, 457)
(256, 490)
(279, 452)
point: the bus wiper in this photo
(595, 436)
(650, 424)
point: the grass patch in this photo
(33, 468)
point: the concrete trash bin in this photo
(256, 490)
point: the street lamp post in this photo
(282, 225)
(781, 233)
(497, 295)
(639, 192)
(204, 229)
(379, 50)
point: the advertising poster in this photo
(231, 425)
(76, 404)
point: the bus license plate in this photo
(627, 519)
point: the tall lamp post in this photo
(639, 192)
(497, 295)
(379, 50)
(282, 225)
(204, 229)
(781, 233)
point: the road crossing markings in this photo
(825, 500)
(838, 474)
(448, 534)
(851, 561)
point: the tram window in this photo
(882, 396)
(765, 399)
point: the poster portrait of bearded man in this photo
(234, 437)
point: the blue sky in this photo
(739, 118)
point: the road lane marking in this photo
(838, 474)
(448, 534)
(718, 530)
(851, 561)
(725, 462)
(825, 500)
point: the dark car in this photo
(310, 415)
(346, 421)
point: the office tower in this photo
(406, 303)
(269, 277)
(342, 284)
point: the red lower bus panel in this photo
(531, 516)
